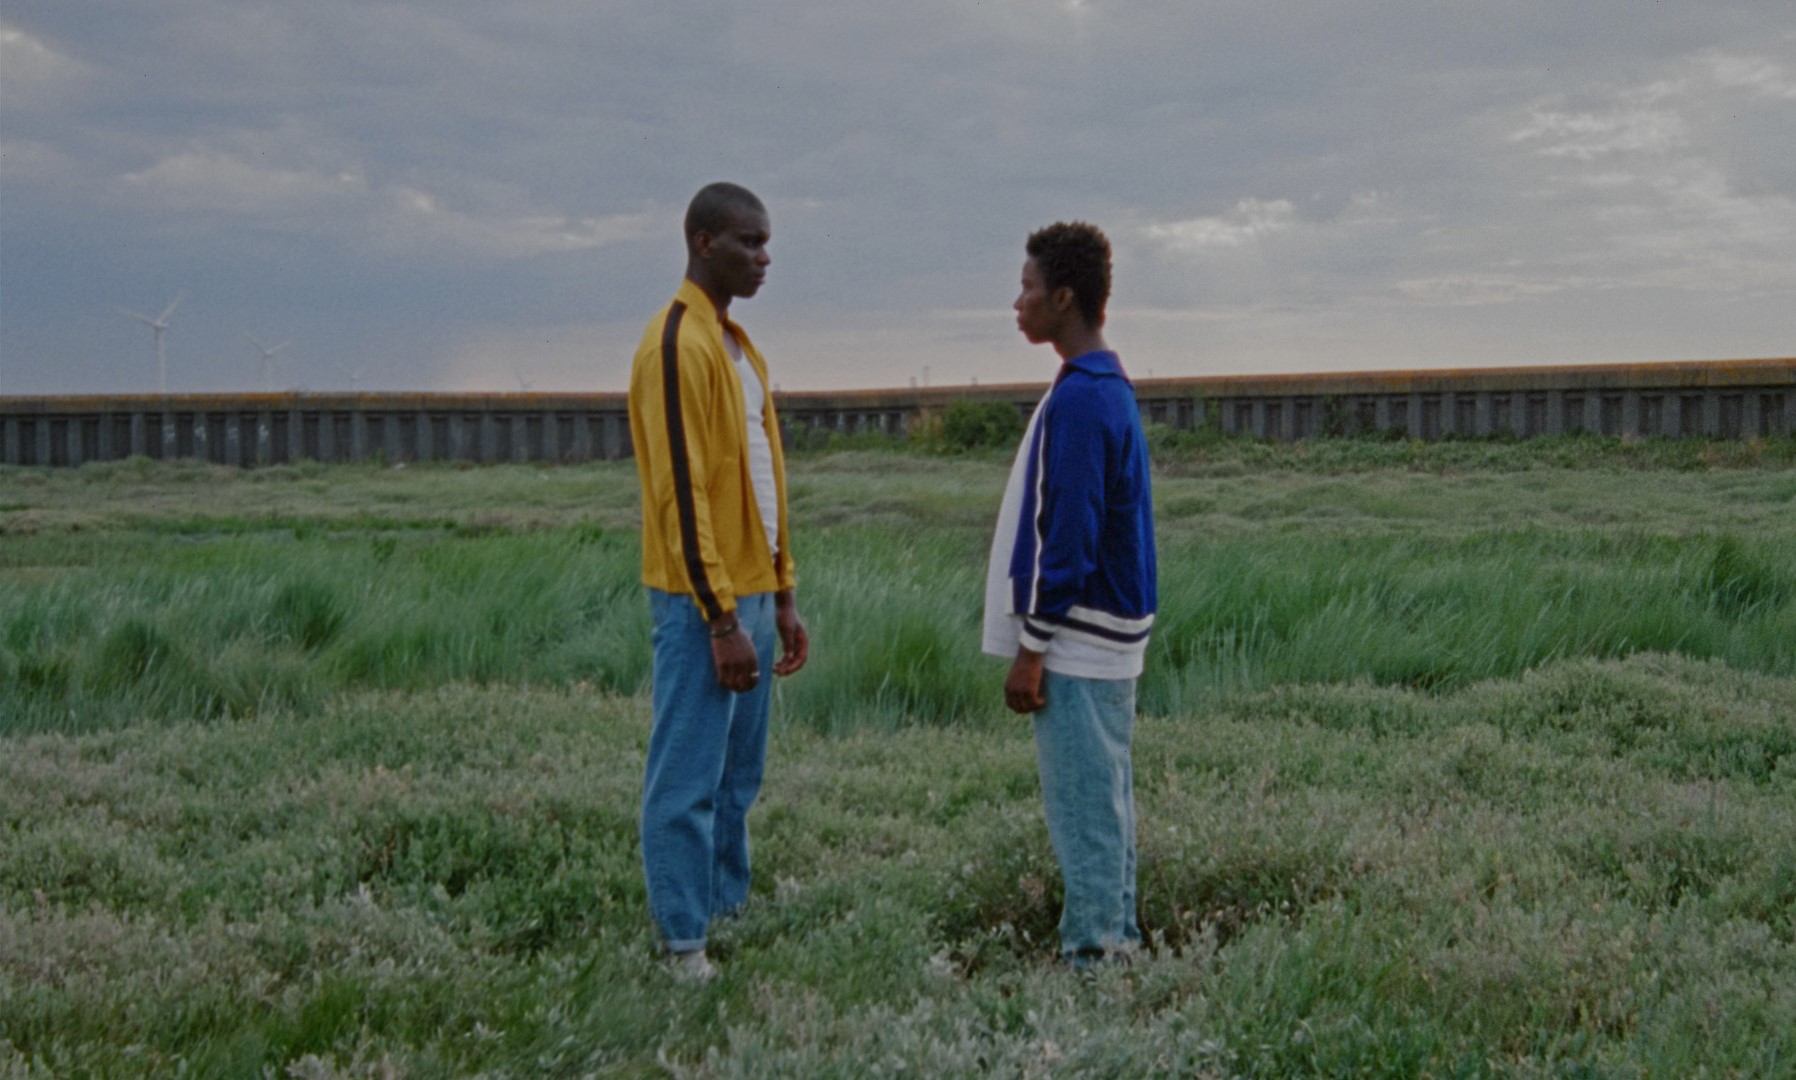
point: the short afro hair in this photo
(711, 209)
(1075, 255)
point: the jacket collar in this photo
(1099, 362)
(698, 301)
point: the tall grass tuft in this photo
(225, 628)
(893, 618)
(1739, 581)
(1427, 614)
(307, 614)
(1271, 574)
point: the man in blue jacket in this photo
(1070, 591)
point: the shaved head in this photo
(715, 205)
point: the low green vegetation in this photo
(138, 592)
(1455, 760)
(973, 425)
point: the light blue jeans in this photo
(706, 755)
(1088, 793)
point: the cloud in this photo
(402, 220)
(411, 221)
(214, 182)
(1653, 185)
(1690, 228)
(1250, 221)
(1656, 117)
(1588, 136)
(1474, 289)
(35, 72)
(1763, 77)
(1384, 181)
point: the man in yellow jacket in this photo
(717, 562)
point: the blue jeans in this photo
(1088, 792)
(706, 755)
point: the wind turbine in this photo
(158, 325)
(268, 359)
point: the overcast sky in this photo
(486, 195)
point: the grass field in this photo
(1456, 760)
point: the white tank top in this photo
(760, 451)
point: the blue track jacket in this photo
(1083, 560)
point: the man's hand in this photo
(795, 642)
(733, 654)
(1022, 689)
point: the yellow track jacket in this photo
(701, 527)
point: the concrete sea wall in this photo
(1715, 399)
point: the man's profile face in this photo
(1036, 315)
(737, 253)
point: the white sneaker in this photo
(692, 966)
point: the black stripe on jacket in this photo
(1089, 629)
(682, 465)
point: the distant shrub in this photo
(1166, 441)
(972, 425)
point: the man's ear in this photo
(701, 243)
(1063, 298)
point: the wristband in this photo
(734, 626)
